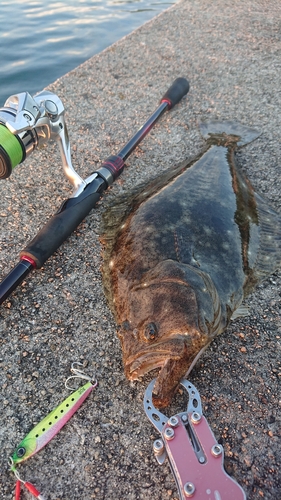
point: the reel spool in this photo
(12, 152)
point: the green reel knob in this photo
(12, 152)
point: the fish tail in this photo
(217, 131)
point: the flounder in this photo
(182, 254)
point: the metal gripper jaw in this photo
(195, 457)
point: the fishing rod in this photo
(27, 123)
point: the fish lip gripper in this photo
(195, 456)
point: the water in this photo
(42, 40)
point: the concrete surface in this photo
(230, 52)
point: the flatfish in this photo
(182, 254)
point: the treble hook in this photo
(30, 487)
(78, 374)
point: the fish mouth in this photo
(173, 367)
(155, 357)
(175, 358)
(145, 364)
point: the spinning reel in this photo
(28, 123)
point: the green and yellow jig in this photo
(44, 431)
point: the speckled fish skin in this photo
(184, 258)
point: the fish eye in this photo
(150, 332)
(21, 451)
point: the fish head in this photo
(24, 450)
(165, 327)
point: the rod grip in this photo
(63, 223)
(174, 94)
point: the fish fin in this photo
(268, 257)
(241, 312)
(217, 130)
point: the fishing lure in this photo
(45, 430)
(28, 486)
